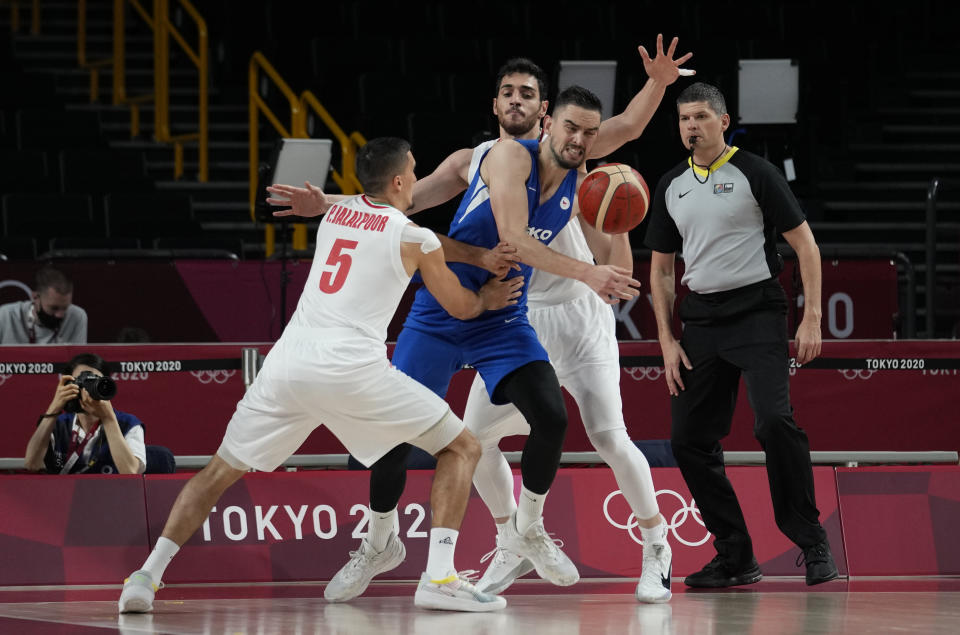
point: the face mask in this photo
(52, 322)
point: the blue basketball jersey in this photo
(475, 224)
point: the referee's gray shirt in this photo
(725, 228)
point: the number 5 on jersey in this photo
(332, 281)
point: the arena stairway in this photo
(221, 204)
(873, 189)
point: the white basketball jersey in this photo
(547, 289)
(357, 277)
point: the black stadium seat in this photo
(149, 215)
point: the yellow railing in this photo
(93, 66)
(346, 179)
(199, 57)
(297, 130)
(163, 30)
(34, 17)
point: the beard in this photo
(567, 164)
(514, 127)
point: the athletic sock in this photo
(653, 535)
(381, 526)
(163, 552)
(443, 542)
(529, 509)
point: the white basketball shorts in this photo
(580, 338)
(343, 380)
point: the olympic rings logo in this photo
(639, 373)
(852, 374)
(677, 520)
(217, 376)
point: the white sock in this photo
(502, 527)
(443, 542)
(529, 509)
(654, 535)
(381, 526)
(163, 552)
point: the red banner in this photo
(288, 526)
(83, 529)
(844, 409)
(901, 520)
(210, 301)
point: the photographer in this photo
(90, 437)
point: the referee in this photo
(722, 209)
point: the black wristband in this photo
(46, 416)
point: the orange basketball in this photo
(614, 198)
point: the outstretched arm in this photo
(662, 71)
(505, 172)
(608, 249)
(444, 183)
(444, 285)
(448, 180)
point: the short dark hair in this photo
(380, 160)
(87, 359)
(701, 91)
(577, 96)
(525, 66)
(49, 278)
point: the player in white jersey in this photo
(330, 367)
(572, 322)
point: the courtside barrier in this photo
(300, 526)
(873, 396)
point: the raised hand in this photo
(663, 68)
(66, 391)
(308, 200)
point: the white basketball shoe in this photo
(454, 593)
(138, 593)
(654, 584)
(505, 567)
(365, 563)
(543, 551)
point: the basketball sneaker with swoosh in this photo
(654, 584)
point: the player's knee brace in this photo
(535, 391)
(388, 477)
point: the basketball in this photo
(614, 198)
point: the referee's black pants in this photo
(726, 335)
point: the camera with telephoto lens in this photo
(99, 388)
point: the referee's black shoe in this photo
(820, 564)
(723, 572)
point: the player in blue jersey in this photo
(519, 107)
(523, 193)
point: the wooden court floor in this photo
(775, 605)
